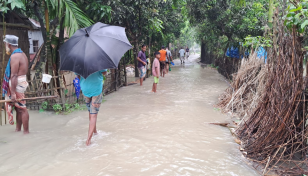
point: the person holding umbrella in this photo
(92, 88)
(142, 62)
(88, 53)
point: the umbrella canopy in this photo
(95, 48)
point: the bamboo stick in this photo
(2, 72)
(33, 98)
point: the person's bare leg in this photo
(24, 119)
(141, 81)
(95, 131)
(155, 87)
(18, 120)
(92, 126)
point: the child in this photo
(156, 70)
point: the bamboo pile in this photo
(274, 135)
(244, 93)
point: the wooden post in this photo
(2, 73)
(61, 90)
(116, 79)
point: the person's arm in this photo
(14, 75)
(171, 56)
(104, 72)
(157, 72)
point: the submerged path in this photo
(140, 133)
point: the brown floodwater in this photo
(140, 133)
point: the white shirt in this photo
(182, 52)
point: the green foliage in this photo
(213, 66)
(65, 91)
(57, 108)
(297, 16)
(258, 41)
(68, 108)
(95, 9)
(13, 4)
(224, 23)
(44, 106)
(16, 3)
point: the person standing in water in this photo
(142, 62)
(15, 83)
(155, 71)
(187, 52)
(168, 60)
(162, 60)
(92, 89)
(182, 55)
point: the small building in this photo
(35, 39)
(15, 24)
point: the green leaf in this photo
(65, 91)
(4, 9)
(304, 24)
(17, 3)
(297, 9)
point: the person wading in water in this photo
(92, 89)
(15, 83)
(182, 53)
(162, 60)
(142, 62)
(168, 59)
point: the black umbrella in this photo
(95, 48)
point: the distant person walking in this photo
(92, 88)
(187, 52)
(168, 59)
(182, 55)
(156, 70)
(142, 62)
(162, 60)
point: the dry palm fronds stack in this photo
(275, 134)
(244, 93)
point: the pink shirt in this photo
(154, 66)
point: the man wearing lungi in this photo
(15, 83)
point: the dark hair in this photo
(143, 45)
(156, 53)
(163, 47)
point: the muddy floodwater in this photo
(140, 133)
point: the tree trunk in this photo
(136, 47)
(150, 37)
(40, 66)
(203, 52)
(60, 42)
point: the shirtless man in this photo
(15, 83)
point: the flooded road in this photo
(140, 133)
